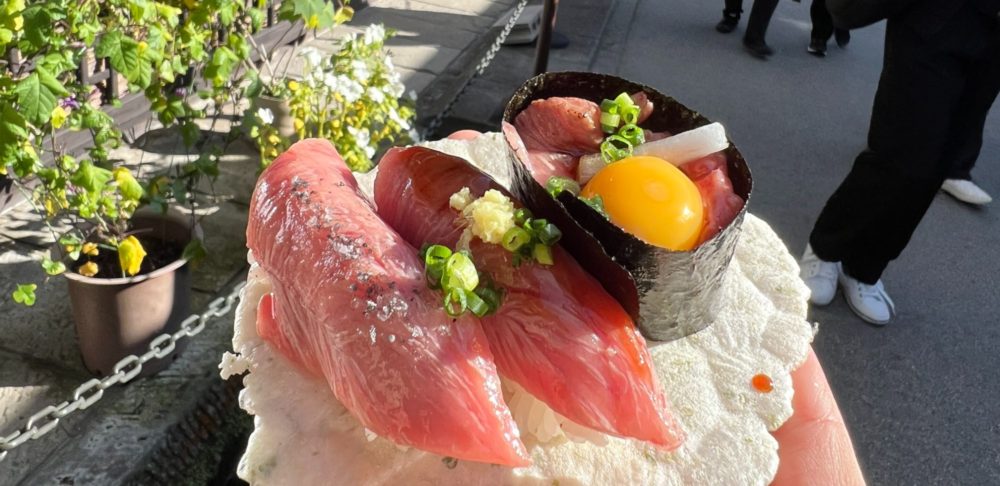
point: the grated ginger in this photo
(488, 217)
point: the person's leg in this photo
(966, 137)
(760, 17)
(822, 22)
(870, 218)
(730, 16)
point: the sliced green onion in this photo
(630, 115)
(542, 254)
(476, 304)
(596, 203)
(455, 302)
(490, 296)
(609, 122)
(514, 239)
(615, 148)
(460, 273)
(522, 215)
(556, 185)
(633, 134)
(549, 234)
(623, 100)
(609, 106)
(436, 255)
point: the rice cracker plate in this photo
(303, 435)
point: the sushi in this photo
(350, 304)
(558, 334)
(671, 293)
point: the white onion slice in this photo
(687, 146)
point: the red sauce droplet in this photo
(762, 383)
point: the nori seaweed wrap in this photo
(670, 294)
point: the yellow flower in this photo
(88, 269)
(130, 255)
(59, 115)
(273, 138)
(89, 249)
(293, 85)
(313, 21)
(298, 124)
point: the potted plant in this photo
(353, 97)
(267, 80)
(126, 266)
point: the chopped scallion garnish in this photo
(618, 119)
(522, 215)
(557, 184)
(543, 254)
(456, 275)
(460, 272)
(455, 302)
(515, 238)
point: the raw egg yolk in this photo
(651, 199)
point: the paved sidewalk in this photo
(146, 431)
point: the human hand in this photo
(813, 445)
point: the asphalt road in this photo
(922, 395)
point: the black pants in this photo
(760, 17)
(822, 22)
(930, 110)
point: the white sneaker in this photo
(966, 191)
(869, 302)
(820, 276)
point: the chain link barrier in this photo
(435, 123)
(160, 347)
(123, 372)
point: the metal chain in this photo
(124, 371)
(436, 122)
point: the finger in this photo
(814, 446)
(464, 135)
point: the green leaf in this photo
(53, 267)
(194, 251)
(316, 14)
(91, 178)
(122, 52)
(37, 95)
(190, 133)
(25, 294)
(37, 25)
(256, 87)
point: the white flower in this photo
(375, 94)
(389, 65)
(361, 137)
(394, 116)
(369, 151)
(412, 95)
(374, 33)
(395, 88)
(360, 69)
(312, 56)
(265, 116)
(414, 135)
(330, 81)
(350, 89)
